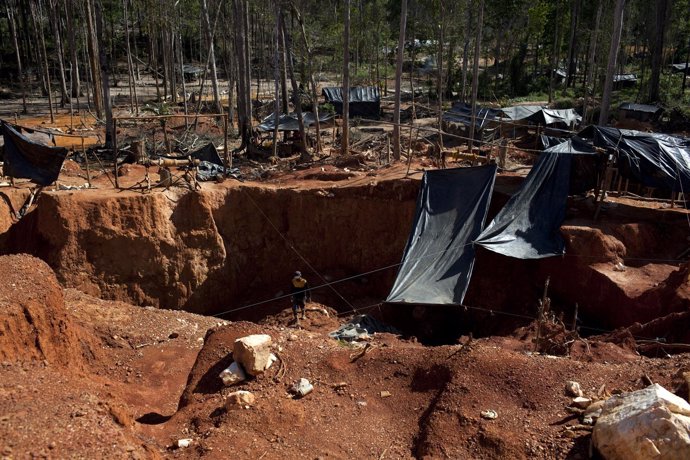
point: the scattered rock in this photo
(573, 389)
(182, 443)
(253, 352)
(649, 423)
(302, 388)
(489, 414)
(239, 399)
(232, 375)
(581, 402)
(385, 394)
(593, 412)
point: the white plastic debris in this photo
(302, 388)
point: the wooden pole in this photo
(117, 182)
(228, 156)
(86, 158)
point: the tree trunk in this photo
(107, 104)
(217, 108)
(71, 37)
(276, 76)
(133, 104)
(345, 140)
(439, 82)
(398, 80)
(296, 97)
(658, 49)
(572, 44)
(92, 39)
(310, 67)
(55, 22)
(244, 106)
(613, 56)
(36, 15)
(591, 61)
(475, 71)
(465, 51)
(13, 30)
(556, 51)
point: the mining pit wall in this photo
(226, 247)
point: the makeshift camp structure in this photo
(364, 101)
(289, 122)
(640, 112)
(651, 159)
(25, 158)
(683, 67)
(449, 222)
(624, 80)
(556, 118)
(458, 120)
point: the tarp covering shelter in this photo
(683, 67)
(24, 158)
(439, 257)
(642, 112)
(364, 101)
(652, 159)
(542, 115)
(462, 113)
(528, 225)
(290, 122)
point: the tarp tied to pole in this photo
(528, 225)
(654, 160)
(439, 257)
(26, 159)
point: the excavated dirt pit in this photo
(89, 369)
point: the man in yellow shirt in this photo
(300, 295)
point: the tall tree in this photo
(475, 69)
(613, 56)
(345, 139)
(662, 7)
(217, 107)
(398, 80)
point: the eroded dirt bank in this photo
(230, 245)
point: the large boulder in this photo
(644, 424)
(253, 353)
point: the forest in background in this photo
(563, 51)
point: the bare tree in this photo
(398, 80)
(475, 70)
(13, 30)
(310, 67)
(296, 96)
(613, 57)
(591, 62)
(209, 42)
(662, 7)
(345, 140)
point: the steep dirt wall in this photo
(220, 248)
(227, 247)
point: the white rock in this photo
(302, 388)
(233, 374)
(573, 389)
(582, 403)
(239, 399)
(253, 352)
(271, 359)
(644, 424)
(181, 443)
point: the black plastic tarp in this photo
(26, 159)
(290, 122)
(652, 159)
(542, 115)
(364, 101)
(528, 225)
(439, 257)
(462, 113)
(586, 164)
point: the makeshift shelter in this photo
(24, 158)
(439, 257)
(558, 118)
(364, 101)
(290, 122)
(624, 79)
(652, 159)
(641, 112)
(683, 67)
(458, 120)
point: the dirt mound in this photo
(215, 356)
(33, 322)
